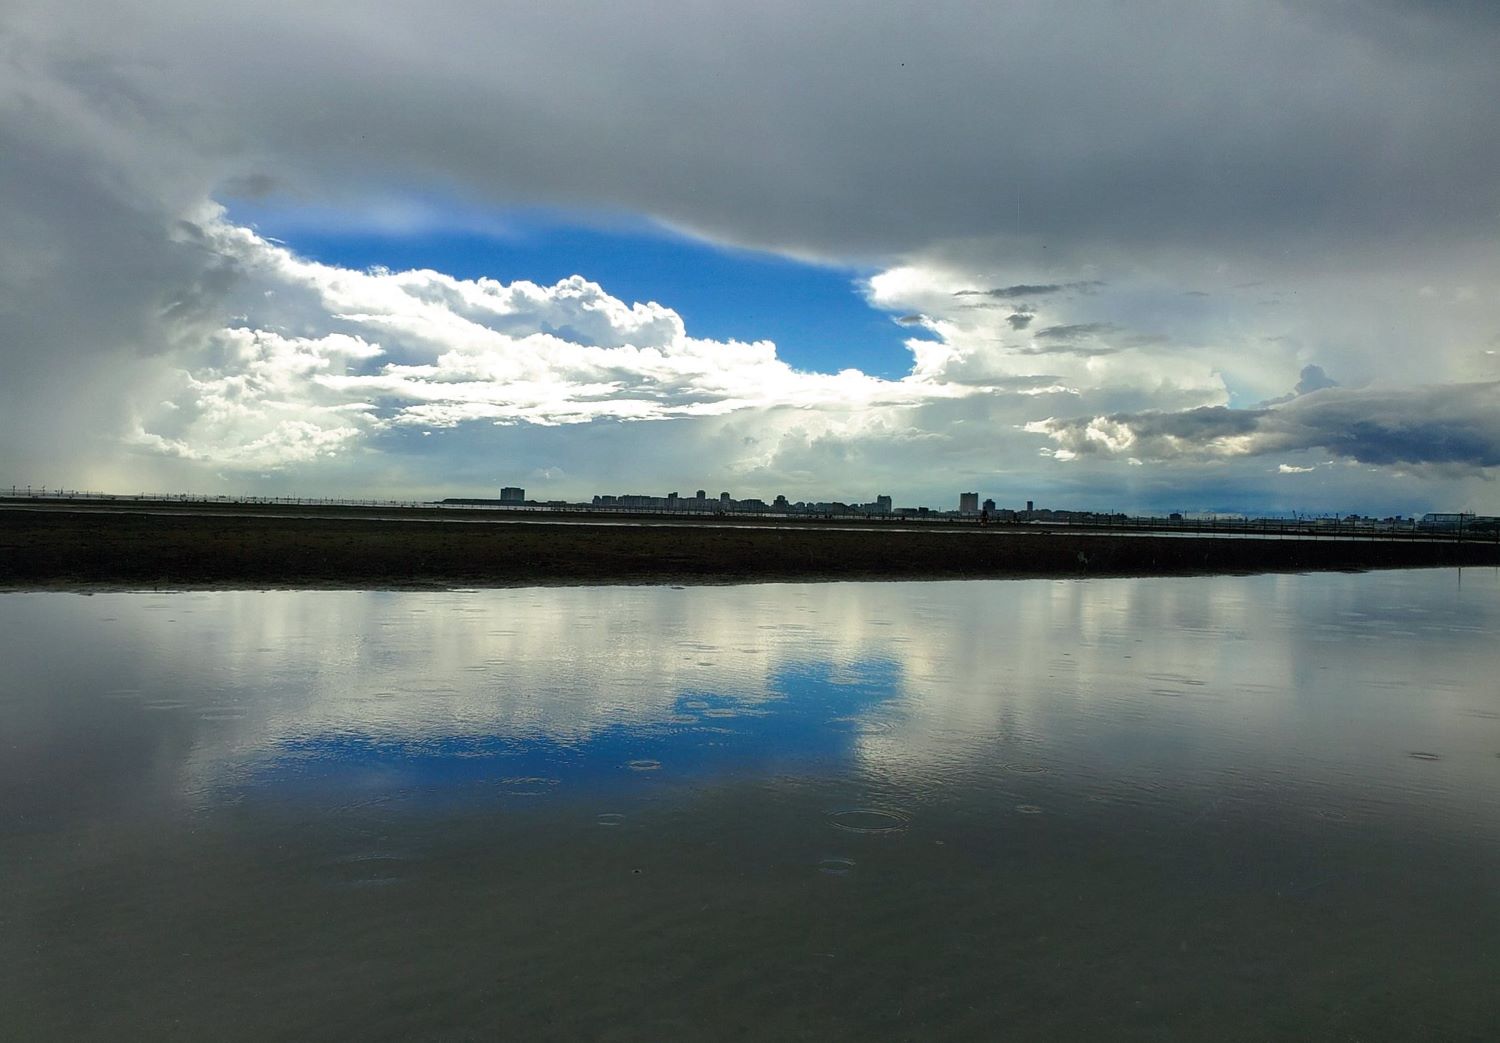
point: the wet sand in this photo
(192, 546)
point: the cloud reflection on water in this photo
(1213, 683)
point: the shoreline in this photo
(93, 550)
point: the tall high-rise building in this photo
(968, 503)
(883, 505)
(511, 494)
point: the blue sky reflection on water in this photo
(1314, 690)
(810, 722)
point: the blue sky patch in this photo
(815, 314)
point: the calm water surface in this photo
(1237, 807)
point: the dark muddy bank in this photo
(95, 549)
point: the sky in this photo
(1209, 256)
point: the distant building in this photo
(724, 499)
(989, 505)
(1030, 507)
(882, 505)
(511, 494)
(968, 503)
(701, 495)
(1447, 521)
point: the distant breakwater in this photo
(81, 549)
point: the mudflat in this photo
(207, 547)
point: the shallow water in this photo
(1238, 807)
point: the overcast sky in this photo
(1189, 256)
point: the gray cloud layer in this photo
(1455, 424)
(854, 128)
(1029, 290)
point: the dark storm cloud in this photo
(1187, 124)
(1314, 379)
(1448, 424)
(1075, 331)
(96, 273)
(1078, 350)
(1031, 289)
(1019, 290)
(248, 186)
